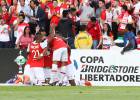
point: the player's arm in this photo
(46, 43)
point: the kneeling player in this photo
(35, 50)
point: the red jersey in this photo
(9, 2)
(55, 20)
(13, 12)
(5, 16)
(55, 10)
(49, 4)
(123, 20)
(48, 60)
(57, 43)
(94, 30)
(64, 6)
(35, 50)
(103, 15)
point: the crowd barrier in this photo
(99, 67)
(107, 67)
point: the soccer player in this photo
(35, 50)
(60, 54)
(69, 69)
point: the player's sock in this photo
(54, 72)
(62, 74)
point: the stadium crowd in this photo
(105, 20)
(102, 22)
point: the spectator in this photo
(54, 8)
(107, 38)
(129, 39)
(86, 12)
(94, 29)
(116, 11)
(25, 39)
(4, 34)
(136, 7)
(64, 28)
(24, 8)
(64, 6)
(108, 14)
(83, 40)
(5, 14)
(3, 3)
(138, 40)
(19, 27)
(124, 19)
(75, 19)
(100, 10)
(13, 12)
(39, 15)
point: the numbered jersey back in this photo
(35, 50)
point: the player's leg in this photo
(27, 74)
(47, 72)
(54, 70)
(70, 74)
(33, 79)
(62, 74)
(64, 60)
(39, 75)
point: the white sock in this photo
(54, 72)
(62, 74)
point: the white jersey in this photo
(109, 17)
(25, 9)
(137, 8)
(116, 12)
(106, 39)
(4, 33)
(125, 20)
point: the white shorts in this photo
(38, 75)
(60, 54)
(47, 72)
(70, 71)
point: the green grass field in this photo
(69, 93)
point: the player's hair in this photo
(38, 37)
